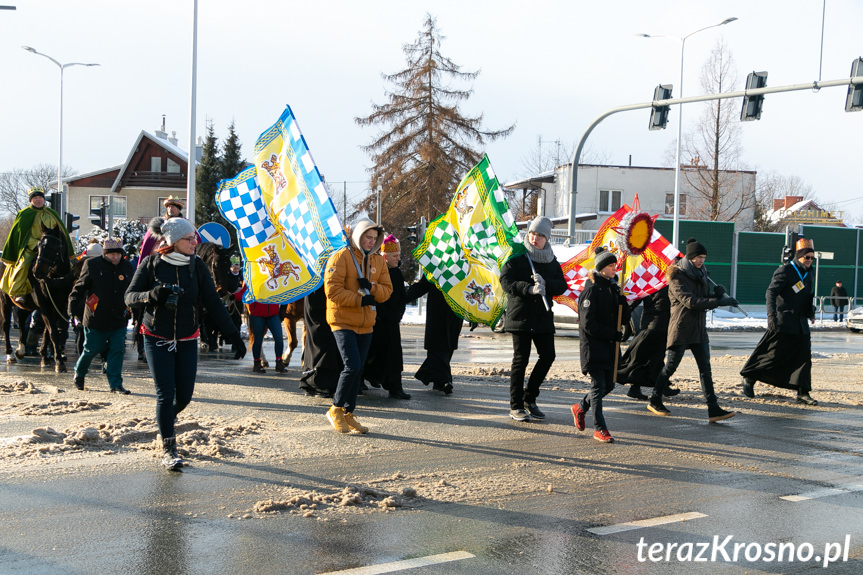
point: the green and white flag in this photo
(463, 250)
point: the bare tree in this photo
(429, 143)
(773, 186)
(718, 191)
(15, 184)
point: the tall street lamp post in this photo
(62, 67)
(676, 225)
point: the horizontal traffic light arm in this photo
(576, 155)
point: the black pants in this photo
(601, 384)
(673, 357)
(173, 369)
(521, 340)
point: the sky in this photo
(549, 67)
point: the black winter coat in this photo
(524, 311)
(691, 297)
(108, 282)
(182, 322)
(789, 305)
(443, 326)
(597, 323)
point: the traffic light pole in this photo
(573, 165)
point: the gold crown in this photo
(804, 243)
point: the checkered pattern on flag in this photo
(239, 199)
(463, 250)
(286, 222)
(642, 275)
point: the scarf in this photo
(698, 274)
(176, 259)
(543, 256)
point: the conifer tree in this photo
(232, 163)
(207, 178)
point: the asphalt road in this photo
(676, 491)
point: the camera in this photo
(174, 297)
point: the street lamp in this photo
(62, 67)
(676, 225)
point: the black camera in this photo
(174, 297)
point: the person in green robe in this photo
(19, 251)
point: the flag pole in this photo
(357, 264)
(619, 321)
(533, 272)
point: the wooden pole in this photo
(617, 343)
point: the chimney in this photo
(778, 204)
(791, 200)
(160, 132)
(199, 149)
(173, 138)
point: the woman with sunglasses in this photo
(783, 357)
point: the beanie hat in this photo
(175, 228)
(93, 250)
(603, 258)
(35, 191)
(694, 249)
(112, 246)
(390, 245)
(804, 246)
(541, 226)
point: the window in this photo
(118, 203)
(609, 200)
(669, 204)
(173, 167)
(155, 164)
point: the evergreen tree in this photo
(207, 178)
(232, 164)
(428, 146)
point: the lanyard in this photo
(802, 277)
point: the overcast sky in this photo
(549, 67)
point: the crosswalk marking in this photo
(629, 526)
(824, 492)
(404, 564)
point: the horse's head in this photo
(218, 260)
(51, 254)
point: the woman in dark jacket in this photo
(691, 297)
(168, 285)
(528, 280)
(599, 305)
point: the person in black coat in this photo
(527, 280)
(645, 355)
(385, 363)
(97, 298)
(442, 330)
(599, 305)
(783, 357)
(322, 362)
(690, 295)
(839, 299)
(168, 284)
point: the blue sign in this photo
(215, 233)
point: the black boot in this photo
(258, 367)
(280, 366)
(748, 387)
(170, 458)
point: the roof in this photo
(91, 174)
(176, 150)
(533, 181)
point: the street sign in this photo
(824, 255)
(215, 233)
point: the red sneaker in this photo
(603, 435)
(578, 416)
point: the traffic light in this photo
(659, 114)
(752, 104)
(71, 226)
(412, 234)
(790, 246)
(854, 101)
(54, 201)
(97, 216)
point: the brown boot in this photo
(258, 368)
(280, 366)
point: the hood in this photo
(362, 227)
(156, 227)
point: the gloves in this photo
(238, 346)
(621, 300)
(719, 291)
(365, 283)
(537, 289)
(368, 300)
(159, 294)
(538, 279)
(727, 300)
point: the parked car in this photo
(854, 319)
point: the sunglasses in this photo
(808, 258)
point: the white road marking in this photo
(405, 564)
(824, 492)
(629, 526)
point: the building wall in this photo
(142, 204)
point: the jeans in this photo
(259, 326)
(838, 310)
(673, 357)
(521, 341)
(601, 384)
(353, 348)
(173, 371)
(111, 344)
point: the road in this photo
(496, 496)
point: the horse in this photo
(51, 276)
(218, 262)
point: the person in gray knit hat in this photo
(530, 281)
